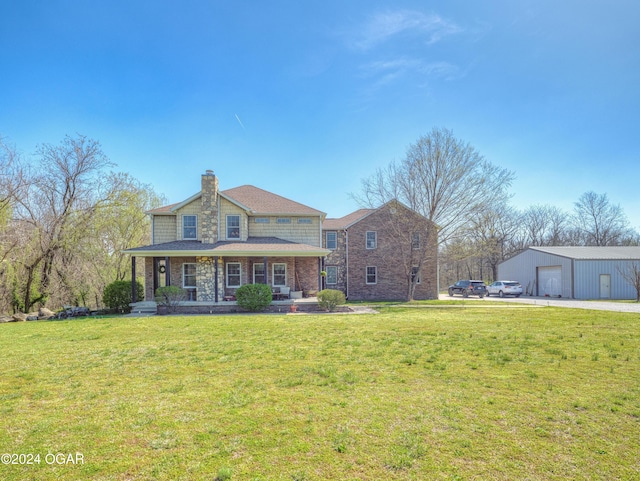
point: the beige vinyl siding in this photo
(192, 208)
(164, 229)
(294, 231)
(228, 208)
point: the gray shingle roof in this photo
(262, 202)
(347, 220)
(256, 200)
(254, 246)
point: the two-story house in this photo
(216, 241)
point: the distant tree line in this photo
(503, 231)
(468, 199)
(65, 219)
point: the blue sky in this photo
(306, 98)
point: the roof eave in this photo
(221, 252)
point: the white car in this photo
(505, 288)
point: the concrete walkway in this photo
(559, 302)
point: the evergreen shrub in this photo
(329, 299)
(254, 297)
(117, 295)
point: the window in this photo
(261, 220)
(258, 273)
(332, 275)
(188, 275)
(234, 276)
(279, 274)
(372, 239)
(189, 227)
(372, 275)
(332, 240)
(415, 240)
(233, 227)
(283, 220)
(304, 220)
(414, 273)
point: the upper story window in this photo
(415, 240)
(283, 220)
(332, 240)
(261, 220)
(189, 227)
(372, 239)
(233, 227)
(304, 220)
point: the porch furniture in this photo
(280, 293)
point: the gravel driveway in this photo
(560, 302)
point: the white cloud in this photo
(389, 70)
(384, 26)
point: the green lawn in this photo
(424, 394)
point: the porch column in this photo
(167, 273)
(319, 271)
(215, 283)
(265, 269)
(134, 298)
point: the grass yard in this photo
(424, 394)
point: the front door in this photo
(605, 286)
(159, 273)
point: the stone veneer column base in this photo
(205, 279)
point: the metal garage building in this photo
(574, 272)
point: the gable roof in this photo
(347, 220)
(593, 252)
(262, 202)
(356, 216)
(253, 199)
(165, 209)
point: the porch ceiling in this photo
(253, 247)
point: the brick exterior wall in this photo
(392, 255)
(148, 279)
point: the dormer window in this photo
(233, 227)
(189, 227)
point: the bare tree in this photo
(545, 225)
(631, 274)
(442, 178)
(599, 222)
(12, 181)
(413, 247)
(62, 197)
(492, 233)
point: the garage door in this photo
(549, 281)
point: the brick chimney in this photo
(209, 211)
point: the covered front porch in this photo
(306, 304)
(211, 273)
